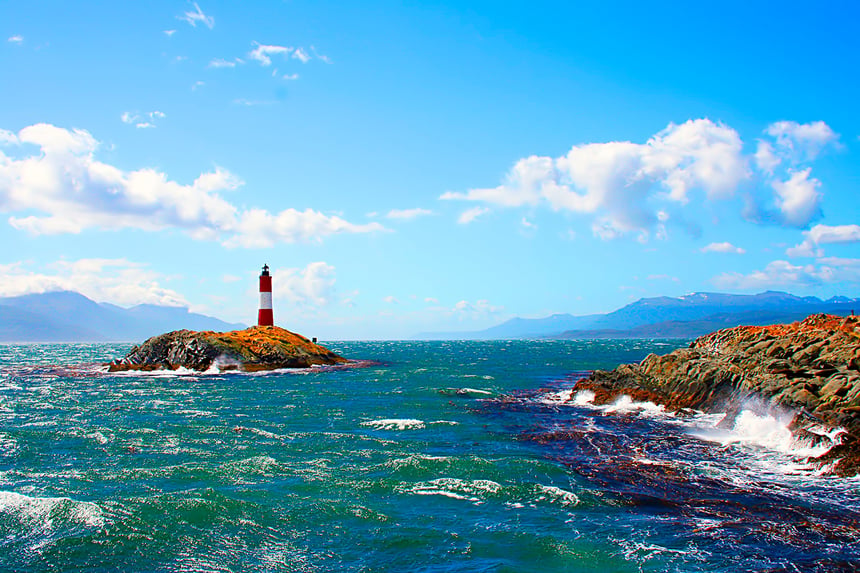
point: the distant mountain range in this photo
(665, 317)
(71, 317)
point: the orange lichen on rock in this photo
(255, 348)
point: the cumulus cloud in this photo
(408, 214)
(197, 16)
(798, 198)
(785, 274)
(824, 235)
(629, 187)
(117, 281)
(62, 188)
(802, 141)
(312, 286)
(614, 181)
(724, 247)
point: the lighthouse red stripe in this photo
(266, 284)
(265, 318)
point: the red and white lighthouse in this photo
(265, 318)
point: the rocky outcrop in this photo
(253, 349)
(810, 368)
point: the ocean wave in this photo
(395, 424)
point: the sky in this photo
(427, 166)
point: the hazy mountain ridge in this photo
(687, 316)
(67, 316)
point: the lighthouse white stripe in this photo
(266, 300)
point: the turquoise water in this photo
(386, 467)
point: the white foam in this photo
(625, 404)
(552, 494)
(468, 490)
(42, 511)
(395, 424)
(769, 432)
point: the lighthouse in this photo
(265, 318)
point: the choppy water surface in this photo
(387, 468)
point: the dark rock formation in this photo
(252, 349)
(811, 368)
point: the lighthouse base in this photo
(265, 318)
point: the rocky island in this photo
(252, 349)
(809, 369)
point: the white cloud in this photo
(765, 157)
(824, 235)
(252, 102)
(431, 300)
(301, 55)
(312, 286)
(802, 141)
(470, 215)
(169, 33)
(196, 85)
(290, 76)
(117, 281)
(614, 181)
(479, 309)
(630, 187)
(262, 53)
(724, 247)
(785, 274)
(528, 225)
(140, 120)
(16, 39)
(222, 63)
(198, 16)
(62, 188)
(390, 299)
(798, 198)
(320, 57)
(408, 214)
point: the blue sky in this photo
(428, 166)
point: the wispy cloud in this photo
(197, 84)
(408, 214)
(197, 16)
(169, 33)
(301, 55)
(222, 63)
(252, 102)
(263, 53)
(61, 188)
(144, 120)
(470, 215)
(16, 39)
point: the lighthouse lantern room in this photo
(265, 318)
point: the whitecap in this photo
(395, 424)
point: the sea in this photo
(442, 456)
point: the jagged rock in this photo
(252, 349)
(806, 366)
